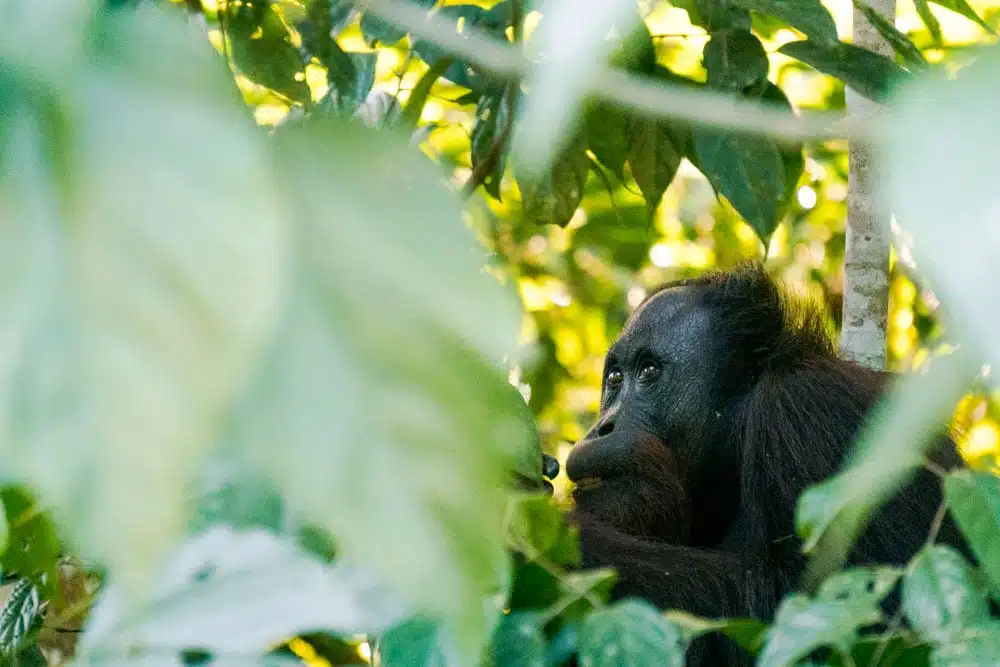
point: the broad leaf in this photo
(653, 157)
(735, 60)
(973, 647)
(717, 14)
(630, 633)
(974, 501)
(490, 134)
(262, 49)
(115, 299)
(869, 73)
(538, 529)
(607, 132)
(240, 592)
(33, 548)
(941, 595)
(803, 625)
(553, 197)
(231, 495)
(748, 171)
(519, 642)
(747, 632)
(860, 585)
(965, 9)
(388, 420)
(899, 42)
(808, 16)
(418, 642)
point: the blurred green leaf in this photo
(635, 52)
(808, 16)
(607, 132)
(717, 14)
(973, 647)
(734, 60)
(46, 39)
(538, 528)
(792, 156)
(231, 495)
(519, 642)
(631, 633)
(941, 596)
(965, 9)
(33, 547)
(747, 632)
(403, 457)
(262, 49)
(116, 300)
(418, 642)
(974, 500)
(748, 171)
(869, 73)
(18, 615)
(861, 585)
(803, 625)
(927, 16)
(553, 197)
(493, 124)
(899, 42)
(653, 157)
(376, 30)
(240, 592)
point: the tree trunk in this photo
(866, 255)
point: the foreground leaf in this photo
(747, 632)
(974, 501)
(748, 171)
(240, 592)
(114, 299)
(870, 74)
(417, 643)
(384, 410)
(633, 634)
(519, 641)
(973, 647)
(941, 596)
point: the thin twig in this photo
(654, 98)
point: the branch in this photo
(642, 94)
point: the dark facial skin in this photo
(660, 400)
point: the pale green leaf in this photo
(240, 592)
(973, 647)
(573, 35)
(631, 633)
(941, 595)
(418, 642)
(45, 39)
(974, 501)
(136, 295)
(383, 410)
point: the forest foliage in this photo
(294, 293)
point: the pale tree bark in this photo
(866, 256)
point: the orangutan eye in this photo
(648, 372)
(615, 379)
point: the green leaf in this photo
(493, 124)
(418, 642)
(803, 625)
(962, 7)
(537, 527)
(518, 641)
(262, 49)
(748, 171)
(553, 197)
(630, 633)
(973, 647)
(234, 496)
(808, 16)
(747, 632)
(519, 440)
(376, 30)
(899, 42)
(718, 14)
(635, 52)
(941, 595)
(861, 585)
(387, 421)
(18, 615)
(241, 592)
(653, 157)
(735, 60)
(46, 40)
(33, 548)
(420, 93)
(607, 131)
(869, 73)
(114, 299)
(792, 156)
(974, 500)
(927, 16)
